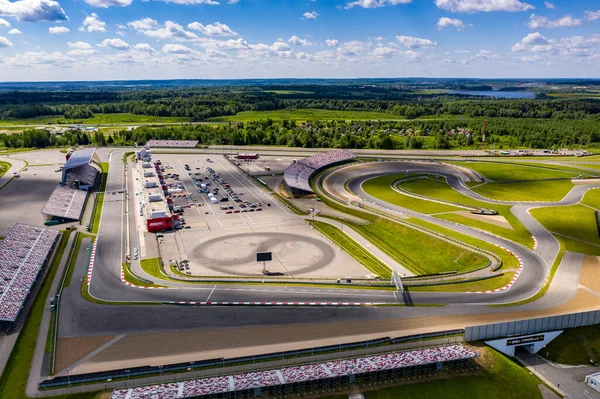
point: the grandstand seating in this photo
(86, 174)
(22, 254)
(65, 202)
(298, 174)
(172, 143)
(290, 375)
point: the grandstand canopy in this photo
(81, 157)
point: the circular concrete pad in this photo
(236, 254)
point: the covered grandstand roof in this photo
(81, 157)
(65, 202)
(298, 174)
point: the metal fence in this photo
(531, 326)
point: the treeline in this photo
(201, 104)
(433, 134)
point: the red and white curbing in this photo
(139, 286)
(92, 257)
(514, 279)
(275, 303)
(535, 243)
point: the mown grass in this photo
(500, 377)
(568, 347)
(576, 221)
(381, 187)
(96, 119)
(99, 203)
(439, 189)
(526, 191)
(152, 267)
(588, 165)
(470, 286)
(73, 261)
(592, 198)
(14, 378)
(288, 92)
(4, 167)
(303, 115)
(354, 249)
(502, 171)
(131, 278)
(420, 252)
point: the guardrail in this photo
(378, 345)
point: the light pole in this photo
(68, 377)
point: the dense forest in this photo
(427, 119)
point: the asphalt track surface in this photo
(95, 319)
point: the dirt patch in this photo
(185, 346)
(69, 350)
(586, 181)
(497, 220)
(590, 273)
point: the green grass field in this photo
(99, 202)
(288, 92)
(592, 198)
(303, 115)
(97, 119)
(568, 347)
(588, 165)
(499, 378)
(4, 167)
(419, 251)
(502, 171)
(576, 221)
(526, 191)
(152, 267)
(380, 187)
(439, 189)
(472, 286)
(355, 250)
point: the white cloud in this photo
(176, 49)
(530, 59)
(115, 44)
(446, 22)
(376, 3)
(92, 23)
(471, 6)
(192, 2)
(14, 32)
(535, 42)
(412, 56)
(169, 31)
(331, 43)
(233, 1)
(537, 22)
(487, 55)
(79, 45)
(296, 41)
(310, 15)
(415, 42)
(144, 47)
(216, 29)
(143, 24)
(592, 15)
(33, 10)
(109, 3)
(384, 52)
(4, 23)
(549, 5)
(58, 30)
(4, 42)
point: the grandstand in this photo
(172, 143)
(65, 202)
(78, 171)
(299, 374)
(297, 176)
(23, 253)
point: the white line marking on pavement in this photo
(211, 292)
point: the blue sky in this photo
(158, 39)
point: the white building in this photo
(593, 380)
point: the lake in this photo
(496, 93)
